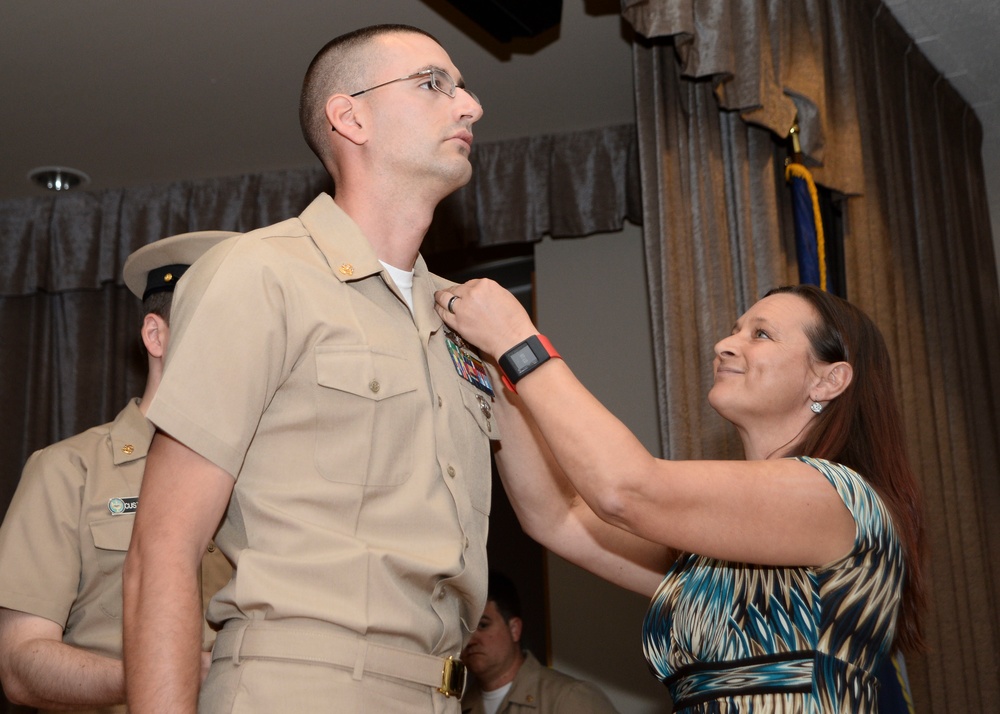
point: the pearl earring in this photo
(816, 407)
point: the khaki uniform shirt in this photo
(361, 456)
(64, 538)
(541, 690)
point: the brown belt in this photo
(262, 641)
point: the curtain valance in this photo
(569, 184)
(771, 62)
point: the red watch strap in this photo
(548, 346)
(544, 342)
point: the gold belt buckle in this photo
(453, 678)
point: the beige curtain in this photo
(713, 240)
(717, 87)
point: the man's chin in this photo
(460, 173)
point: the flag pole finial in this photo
(793, 134)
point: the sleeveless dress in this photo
(731, 638)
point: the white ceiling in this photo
(154, 91)
(151, 91)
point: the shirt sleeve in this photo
(40, 536)
(227, 352)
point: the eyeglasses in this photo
(439, 80)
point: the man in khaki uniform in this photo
(509, 680)
(314, 401)
(63, 541)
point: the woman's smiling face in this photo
(764, 368)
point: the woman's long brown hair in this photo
(863, 430)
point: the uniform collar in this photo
(523, 688)
(351, 257)
(347, 251)
(524, 691)
(131, 434)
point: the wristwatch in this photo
(524, 357)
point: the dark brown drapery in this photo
(717, 88)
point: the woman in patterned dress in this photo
(790, 575)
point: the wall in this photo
(591, 301)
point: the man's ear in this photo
(835, 378)
(341, 114)
(154, 334)
(515, 625)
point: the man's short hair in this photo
(504, 595)
(342, 66)
(159, 304)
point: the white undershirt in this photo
(492, 700)
(403, 280)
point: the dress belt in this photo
(258, 640)
(786, 673)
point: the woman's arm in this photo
(552, 512)
(779, 512)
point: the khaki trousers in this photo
(267, 667)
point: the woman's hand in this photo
(484, 314)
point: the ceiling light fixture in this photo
(58, 178)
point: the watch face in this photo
(522, 358)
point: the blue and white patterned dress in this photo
(731, 638)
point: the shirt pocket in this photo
(366, 414)
(482, 430)
(480, 407)
(111, 538)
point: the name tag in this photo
(118, 506)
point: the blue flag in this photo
(809, 241)
(894, 686)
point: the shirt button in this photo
(211, 547)
(451, 471)
(441, 592)
(440, 401)
(374, 386)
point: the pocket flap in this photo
(372, 375)
(113, 533)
